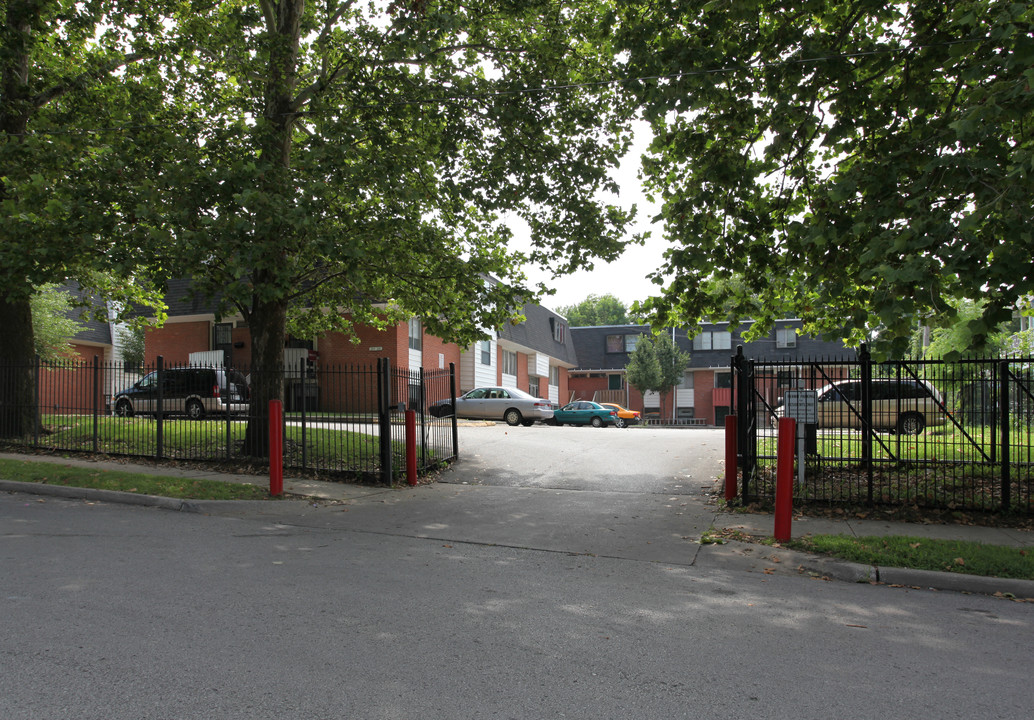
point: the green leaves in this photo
(857, 165)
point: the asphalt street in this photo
(121, 612)
(509, 594)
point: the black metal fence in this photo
(339, 421)
(949, 435)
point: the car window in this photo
(475, 394)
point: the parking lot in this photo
(673, 461)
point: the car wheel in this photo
(620, 423)
(124, 408)
(195, 410)
(596, 421)
(911, 424)
(513, 417)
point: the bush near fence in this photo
(335, 419)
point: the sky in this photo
(624, 278)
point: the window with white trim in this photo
(509, 362)
(786, 338)
(415, 334)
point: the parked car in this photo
(585, 412)
(514, 406)
(192, 391)
(904, 406)
(625, 416)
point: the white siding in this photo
(538, 365)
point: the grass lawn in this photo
(325, 447)
(141, 483)
(924, 554)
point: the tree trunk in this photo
(17, 368)
(268, 322)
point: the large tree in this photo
(77, 129)
(657, 364)
(861, 165)
(596, 310)
(358, 162)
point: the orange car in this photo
(626, 417)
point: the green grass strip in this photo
(924, 554)
(141, 483)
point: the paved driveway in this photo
(634, 460)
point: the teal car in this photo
(585, 412)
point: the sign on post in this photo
(802, 406)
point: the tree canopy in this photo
(596, 310)
(363, 157)
(656, 365)
(861, 165)
(79, 124)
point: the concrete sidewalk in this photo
(634, 526)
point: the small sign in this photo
(802, 405)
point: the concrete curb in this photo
(958, 582)
(751, 557)
(113, 496)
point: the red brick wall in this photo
(68, 386)
(175, 341)
(433, 346)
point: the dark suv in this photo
(192, 391)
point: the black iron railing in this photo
(339, 421)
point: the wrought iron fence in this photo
(952, 435)
(339, 421)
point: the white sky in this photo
(624, 278)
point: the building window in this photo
(533, 386)
(614, 382)
(415, 334)
(222, 334)
(723, 380)
(554, 375)
(630, 342)
(615, 343)
(716, 340)
(784, 379)
(687, 381)
(486, 352)
(509, 362)
(558, 329)
(786, 338)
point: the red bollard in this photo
(785, 448)
(731, 468)
(411, 446)
(276, 448)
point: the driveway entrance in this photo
(632, 460)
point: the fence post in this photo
(276, 448)
(96, 419)
(740, 392)
(730, 457)
(1003, 402)
(452, 397)
(867, 431)
(423, 419)
(39, 408)
(302, 374)
(411, 446)
(159, 426)
(384, 417)
(784, 478)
